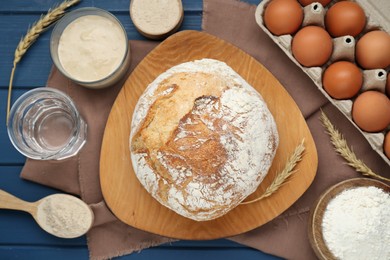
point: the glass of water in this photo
(44, 124)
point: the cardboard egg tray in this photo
(343, 49)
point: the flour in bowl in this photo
(356, 224)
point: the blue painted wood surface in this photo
(20, 236)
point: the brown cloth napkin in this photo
(285, 236)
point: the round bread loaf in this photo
(202, 139)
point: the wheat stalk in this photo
(342, 148)
(32, 35)
(282, 177)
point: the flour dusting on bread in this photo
(202, 139)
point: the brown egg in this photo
(312, 46)
(342, 80)
(283, 16)
(371, 111)
(373, 50)
(307, 2)
(386, 145)
(345, 18)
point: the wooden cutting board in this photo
(132, 204)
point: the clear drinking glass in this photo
(44, 124)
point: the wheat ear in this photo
(32, 35)
(342, 148)
(282, 177)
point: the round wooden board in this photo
(133, 205)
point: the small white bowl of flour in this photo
(351, 220)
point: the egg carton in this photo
(343, 49)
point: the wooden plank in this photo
(20, 237)
(34, 68)
(19, 227)
(63, 253)
(26, 190)
(38, 6)
(16, 16)
(8, 154)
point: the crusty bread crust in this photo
(202, 139)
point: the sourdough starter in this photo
(91, 48)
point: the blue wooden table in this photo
(20, 236)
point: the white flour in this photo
(356, 224)
(64, 216)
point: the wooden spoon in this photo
(61, 215)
